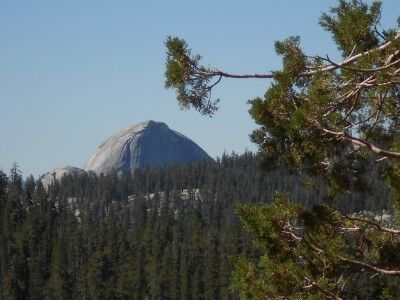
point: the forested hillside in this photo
(166, 233)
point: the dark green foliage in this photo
(353, 23)
(180, 66)
(315, 254)
(337, 121)
(327, 118)
(161, 233)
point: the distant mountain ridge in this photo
(147, 144)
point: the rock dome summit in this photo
(147, 144)
(56, 174)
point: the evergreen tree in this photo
(3, 238)
(15, 252)
(324, 119)
(172, 238)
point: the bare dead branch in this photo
(329, 67)
(359, 142)
(362, 70)
(363, 265)
(369, 267)
(374, 224)
(327, 292)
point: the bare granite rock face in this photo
(147, 144)
(48, 178)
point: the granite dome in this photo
(48, 178)
(147, 144)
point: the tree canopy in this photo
(336, 120)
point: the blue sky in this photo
(74, 72)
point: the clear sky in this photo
(74, 72)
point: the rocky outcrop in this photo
(147, 144)
(48, 178)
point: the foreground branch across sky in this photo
(328, 120)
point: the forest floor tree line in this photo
(103, 237)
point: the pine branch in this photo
(378, 226)
(330, 67)
(327, 292)
(359, 142)
(319, 250)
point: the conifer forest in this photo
(312, 213)
(165, 233)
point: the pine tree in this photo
(324, 119)
(15, 252)
(3, 245)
